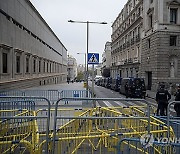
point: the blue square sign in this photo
(93, 58)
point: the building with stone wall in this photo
(145, 41)
(30, 52)
(126, 40)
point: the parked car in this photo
(103, 82)
(135, 87)
(115, 85)
(108, 82)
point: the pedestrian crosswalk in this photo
(127, 104)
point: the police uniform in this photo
(126, 90)
(162, 98)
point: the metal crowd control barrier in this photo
(22, 129)
(100, 129)
(51, 95)
(76, 94)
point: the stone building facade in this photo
(155, 56)
(30, 52)
(126, 40)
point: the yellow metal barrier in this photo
(94, 130)
(102, 135)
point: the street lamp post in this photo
(87, 50)
(84, 64)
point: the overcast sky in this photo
(73, 35)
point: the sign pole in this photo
(93, 58)
(94, 104)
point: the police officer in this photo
(177, 105)
(126, 89)
(162, 98)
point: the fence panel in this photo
(22, 129)
(99, 130)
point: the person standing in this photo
(162, 98)
(177, 105)
(126, 89)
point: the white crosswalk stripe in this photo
(108, 104)
(97, 104)
(129, 103)
(120, 104)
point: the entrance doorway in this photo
(149, 80)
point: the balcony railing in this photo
(132, 41)
(124, 46)
(138, 38)
(128, 43)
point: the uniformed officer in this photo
(126, 89)
(177, 105)
(162, 98)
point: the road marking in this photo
(130, 103)
(120, 104)
(108, 104)
(97, 104)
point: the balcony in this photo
(120, 48)
(136, 60)
(128, 44)
(126, 61)
(130, 60)
(124, 46)
(138, 38)
(132, 41)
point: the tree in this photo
(80, 76)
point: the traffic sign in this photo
(93, 58)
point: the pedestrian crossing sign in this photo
(93, 58)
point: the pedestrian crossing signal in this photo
(93, 58)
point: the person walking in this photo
(162, 98)
(177, 105)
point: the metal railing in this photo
(32, 126)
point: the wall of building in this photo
(157, 60)
(33, 51)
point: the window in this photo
(173, 16)
(150, 20)
(151, 1)
(18, 62)
(149, 43)
(39, 66)
(47, 67)
(44, 67)
(173, 39)
(34, 65)
(27, 64)
(50, 67)
(4, 62)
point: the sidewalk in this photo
(61, 86)
(152, 95)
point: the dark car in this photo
(115, 85)
(108, 82)
(135, 87)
